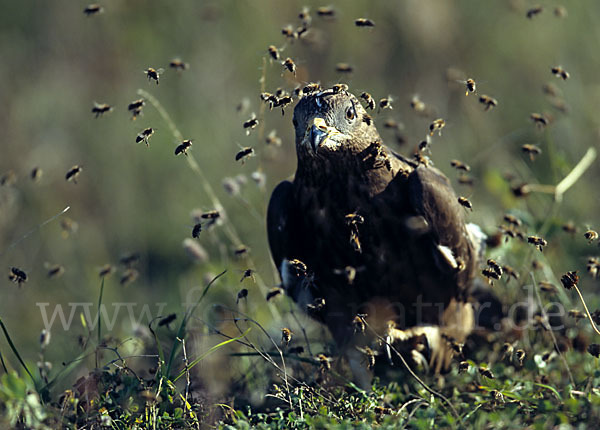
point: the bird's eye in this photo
(350, 113)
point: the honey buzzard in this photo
(363, 230)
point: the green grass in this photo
(220, 363)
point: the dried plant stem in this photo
(545, 315)
(187, 375)
(575, 174)
(284, 370)
(587, 311)
(33, 230)
(413, 374)
(261, 112)
(228, 228)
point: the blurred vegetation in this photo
(133, 198)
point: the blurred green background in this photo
(56, 63)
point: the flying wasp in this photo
(539, 119)
(274, 292)
(369, 100)
(130, 260)
(288, 31)
(273, 139)
(385, 103)
(196, 231)
(512, 220)
(36, 174)
(100, 109)
(93, 9)
(364, 22)
(178, 65)
(459, 165)
(144, 135)
(248, 273)
(349, 272)
(286, 336)
(559, 72)
(299, 267)
(339, 88)
(464, 202)
(242, 294)
(591, 235)
(534, 11)
(54, 270)
(358, 323)
(326, 12)
(244, 153)
(569, 227)
(538, 242)
(167, 320)
(183, 147)
(488, 102)
(73, 173)
(471, 86)
(417, 105)
(547, 287)
(369, 355)
(532, 150)
(490, 274)
(129, 276)
(492, 264)
(106, 270)
(311, 88)
(324, 363)
(344, 68)
(273, 52)
(17, 276)
(367, 119)
(135, 107)
(593, 267)
(289, 64)
(250, 124)
(305, 17)
(437, 125)
(153, 74)
(510, 272)
(576, 315)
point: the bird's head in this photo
(330, 123)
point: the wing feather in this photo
(279, 222)
(432, 197)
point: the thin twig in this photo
(301, 328)
(587, 310)
(228, 228)
(33, 230)
(187, 375)
(545, 315)
(412, 373)
(575, 174)
(285, 375)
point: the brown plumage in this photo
(414, 245)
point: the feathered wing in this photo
(453, 252)
(432, 197)
(279, 222)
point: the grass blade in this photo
(14, 349)
(210, 351)
(182, 326)
(99, 320)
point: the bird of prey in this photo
(362, 230)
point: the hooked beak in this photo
(319, 134)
